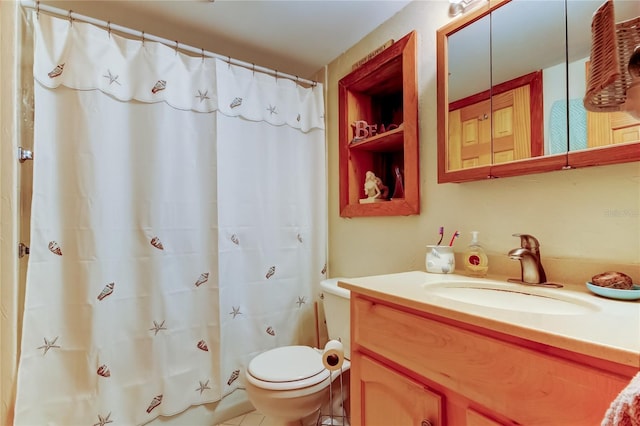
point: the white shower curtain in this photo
(271, 213)
(178, 227)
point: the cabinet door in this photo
(476, 419)
(389, 398)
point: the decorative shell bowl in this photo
(612, 293)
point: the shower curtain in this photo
(177, 229)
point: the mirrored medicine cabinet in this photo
(511, 76)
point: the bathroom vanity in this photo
(433, 349)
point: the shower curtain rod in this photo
(69, 14)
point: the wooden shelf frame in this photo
(390, 75)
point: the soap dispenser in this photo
(476, 263)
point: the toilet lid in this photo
(288, 364)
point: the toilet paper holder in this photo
(333, 359)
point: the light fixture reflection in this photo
(456, 7)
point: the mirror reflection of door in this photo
(528, 38)
(469, 137)
(605, 129)
(497, 126)
(511, 141)
(499, 118)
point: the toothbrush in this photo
(441, 232)
(453, 237)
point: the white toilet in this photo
(290, 384)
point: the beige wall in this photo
(585, 219)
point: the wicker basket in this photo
(611, 48)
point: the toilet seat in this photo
(286, 368)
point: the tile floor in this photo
(253, 418)
(249, 419)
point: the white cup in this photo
(440, 259)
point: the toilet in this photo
(290, 384)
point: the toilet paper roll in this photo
(333, 355)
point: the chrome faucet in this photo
(529, 256)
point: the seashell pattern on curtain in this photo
(178, 226)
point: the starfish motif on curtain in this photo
(301, 301)
(203, 386)
(272, 109)
(202, 96)
(157, 327)
(103, 420)
(112, 78)
(49, 344)
(235, 311)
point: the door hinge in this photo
(24, 154)
(23, 250)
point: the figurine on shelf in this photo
(398, 192)
(374, 189)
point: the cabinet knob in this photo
(426, 422)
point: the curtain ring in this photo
(253, 68)
(143, 38)
(276, 75)
(38, 9)
(109, 28)
(229, 61)
(202, 54)
(176, 47)
(70, 18)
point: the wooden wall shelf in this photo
(393, 140)
(382, 91)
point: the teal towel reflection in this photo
(558, 126)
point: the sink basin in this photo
(512, 297)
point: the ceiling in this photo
(296, 37)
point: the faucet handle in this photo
(528, 241)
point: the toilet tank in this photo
(337, 312)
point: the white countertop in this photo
(598, 327)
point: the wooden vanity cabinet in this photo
(404, 401)
(413, 368)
